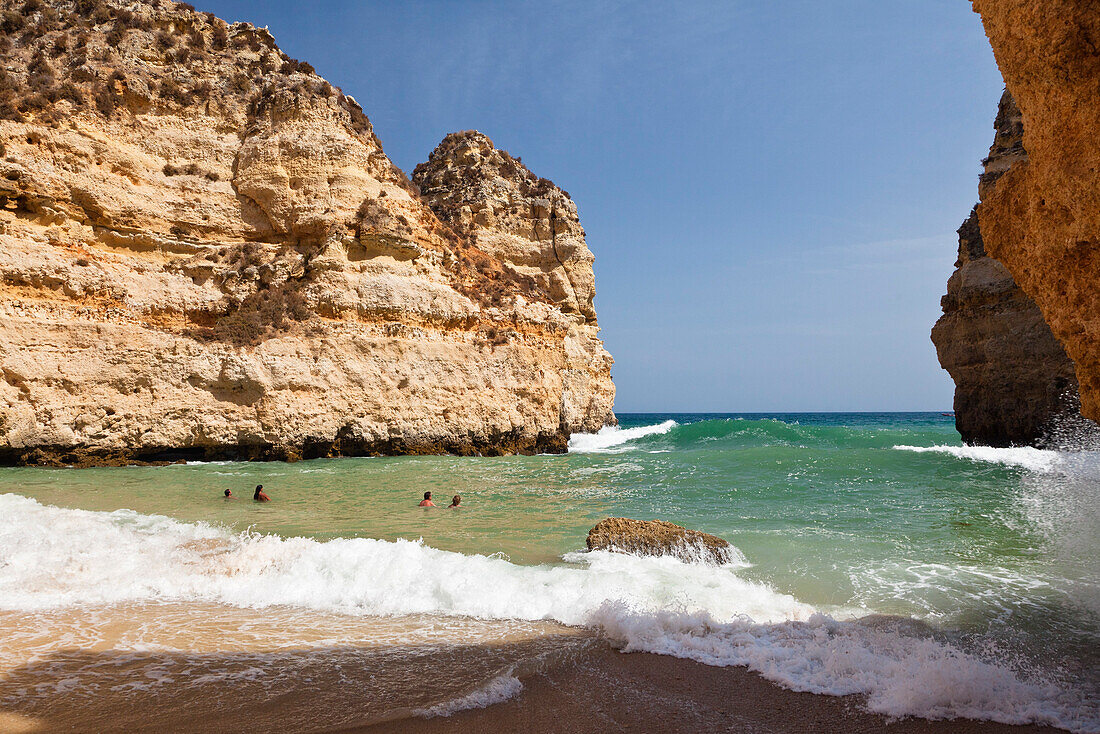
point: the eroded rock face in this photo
(1041, 218)
(657, 538)
(1013, 381)
(205, 253)
(531, 227)
(510, 213)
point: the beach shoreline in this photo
(139, 599)
(643, 692)
(565, 681)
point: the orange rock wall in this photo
(1042, 218)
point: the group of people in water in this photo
(260, 496)
(456, 502)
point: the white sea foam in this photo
(498, 690)
(1025, 457)
(58, 557)
(611, 439)
(1063, 507)
(53, 558)
(901, 674)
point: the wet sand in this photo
(609, 691)
(571, 682)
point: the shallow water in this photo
(993, 551)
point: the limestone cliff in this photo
(530, 225)
(1014, 383)
(1042, 216)
(205, 253)
(508, 212)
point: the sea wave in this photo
(54, 557)
(498, 690)
(739, 433)
(57, 557)
(1025, 457)
(610, 439)
(900, 673)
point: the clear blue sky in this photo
(771, 188)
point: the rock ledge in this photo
(658, 538)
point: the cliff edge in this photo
(206, 254)
(1014, 383)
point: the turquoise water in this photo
(844, 512)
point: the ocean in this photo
(875, 555)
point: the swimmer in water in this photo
(229, 494)
(455, 502)
(259, 495)
(427, 501)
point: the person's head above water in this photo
(229, 493)
(259, 493)
(456, 500)
(427, 495)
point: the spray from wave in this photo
(54, 557)
(1025, 457)
(611, 439)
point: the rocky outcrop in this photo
(1041, 218)
(205, 253)
(491, 198)
(658, 538)
(531, 227)
(1014, 383)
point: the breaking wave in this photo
(52, 557)
(609, 439)
(1083, 463)
(739, 433)
(498, 690)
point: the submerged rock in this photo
(658, 538)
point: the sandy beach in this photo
(567, 681)
(640, 692)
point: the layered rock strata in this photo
(657, 538)
(1041, 219)
(205, 253)
(1014, 383)
(493, 200)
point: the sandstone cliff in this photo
(1014, 383)
(1042, 216)
(492, 199)
(205, 253)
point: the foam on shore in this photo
(58, 558)
(498, 690)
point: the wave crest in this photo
(610, 439)
(1025, 457)
(500, 689)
